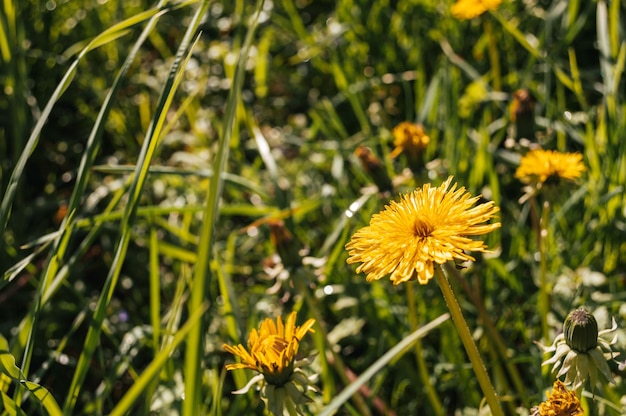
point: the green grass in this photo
(145, 150)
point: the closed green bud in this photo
(581, 330)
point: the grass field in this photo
(176, 176)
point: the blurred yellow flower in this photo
(272, 350)
(469, 9)
(409, 138)
(538, 166)
(429, 225)
(561, 402)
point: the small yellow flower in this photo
(429, 225)
(561, 402)
(409, 138)
(469, 9)
(539, 166)
(272, 350)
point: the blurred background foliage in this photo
(322, 78)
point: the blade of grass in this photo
(8, 368)
(140, 384)
(147, 150)
(194, 345)
(155, 289)
(399, 349)
(168, 170)
(57, 252)
(9, 407)
(107, 36)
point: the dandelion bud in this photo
(582, 353)
(581, 330)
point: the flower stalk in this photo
(544, 290)
(468, 342)
(419, 355)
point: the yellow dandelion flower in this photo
(469, 9)
(561, 402)
(409, 138)
(272, 349)
(429, 225)
(538, 166)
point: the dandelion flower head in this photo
(469, 9)
(272, 349)
(409, 138)
(538, 166)
(561, 402)
(430, 225)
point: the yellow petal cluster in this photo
(430, 225)
(469, 9)
(561, 402)
(537, 166)
(409, 138)
(272, 349)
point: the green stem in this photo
(494, 335)
(494, 59)
(468, 342)
(544, 295)
(419, 353)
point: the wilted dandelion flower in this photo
(409, 138)
(581, 351)
(272, 352)
(561, 402)
(522, 113)
(540, 166)
(285, 244)
(469, 9)
(374, 167)
(430, 225)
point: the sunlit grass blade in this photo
(155, 289)
(57, 253)
(141, 172)
(40, 393)
(194, 344)
(9, 407)
(399, 349)
(17, 173)
(5, 50)
(168, 170)
(148, 375)
(231, 313)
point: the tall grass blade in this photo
(40, 393)
(148, 375)
(191, 405)
(394, 353)
(17, 174)
(141, 173)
